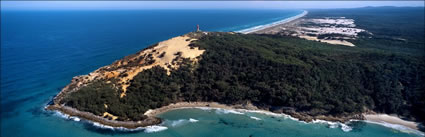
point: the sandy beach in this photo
(371, 118)
(248, 106)
(271, 25)
(343, 29)
(385, 118)
(381, 119)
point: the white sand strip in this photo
(261, 27)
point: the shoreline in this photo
(72, 112)
(266, 26)
(250, 107)
(385, 120)
(394, 122)
(389, 119)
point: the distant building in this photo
(197, 28)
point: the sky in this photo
(120, 5)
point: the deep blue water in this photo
(42, 50)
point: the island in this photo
(316, 67)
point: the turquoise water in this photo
(222, 123)
(42, 50)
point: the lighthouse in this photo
(197, 28)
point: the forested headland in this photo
(383, 73)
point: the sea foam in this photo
(175, 123)
(260, 27)
(66, 116)
(397, 127)
(282, 115)
(228, 111)
(180, 122)
(148, 129)
(151, 129)
(193, 120)
(255, 118)
(75, 118)
(344, 127)
(60, 114)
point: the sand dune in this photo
(166, 54)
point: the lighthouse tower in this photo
(197, 28)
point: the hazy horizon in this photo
(135, 5)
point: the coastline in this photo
(250, 107)
(273, 24)
(385, 120)
(394, 122)
(152, 120)
(71, 112)
(390, 119)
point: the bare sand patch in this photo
(391, 119)
(181, 105)
(331, 30)
(167, 55)
(335, 42)
(108, 115)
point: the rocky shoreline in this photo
(113, 123)
(152, 114)
(153, 120)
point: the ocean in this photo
(41, 50)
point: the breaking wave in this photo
(193, 120)
(180, 122)
(75, 118)
(398, 127)
(151, 129)
(60, 114)
(255, 118)
(344, 127)
(148, 129)
(256, 28)
(285, 116)
(227, 111)
(175, 123)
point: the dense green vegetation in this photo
(395, 29)
(95, 92)
(380, 73)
